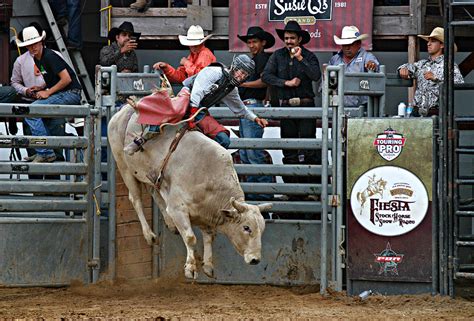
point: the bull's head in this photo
(244, 226)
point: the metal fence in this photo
(48, 225)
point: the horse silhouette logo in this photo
(374, 187)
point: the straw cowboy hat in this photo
(30, 36)
(438, 34)
(349, 35)
(126, 27)
(194, 37)
(259, 33)
(293, 26)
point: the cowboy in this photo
(253, 92)
(199, 58)
(213, 84)
(292, 70)
(354, 58)
(121, 51)
(62, 86)
(429, 74)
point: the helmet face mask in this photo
(242, 67)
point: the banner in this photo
(321, 18)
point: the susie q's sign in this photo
(309, 9)
(389, 201)
(323, 19)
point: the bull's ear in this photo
(229, 214)
(265, 207)
(239, 206)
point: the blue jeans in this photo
(250, 129)
(37, 125)
(7, 94)
(72, 10)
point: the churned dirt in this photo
(178, 299)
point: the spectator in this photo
(355, 59)
(121, 51)
(292, 70)
(199, 57)
(69, 10)
(253, 92)
(27, 81)
(7, 94)
(62, 86)
(210, 86)
(429, 74)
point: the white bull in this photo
(199, 188)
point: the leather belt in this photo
(302, 101)
(252, 101)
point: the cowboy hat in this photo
(438, 34)
(293, 26)
(125, 27)
(194, 37)
(30, 36)
(349, 35)
(259, 33)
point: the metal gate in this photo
(49, 224)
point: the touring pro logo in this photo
(389, 144)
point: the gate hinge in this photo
(94, 263)
(451, 133)
(334, 200)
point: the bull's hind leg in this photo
(207, 238)
(183, 224)
(135, 197)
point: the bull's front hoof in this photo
(208, 270)
(190, 272)
(151, 238)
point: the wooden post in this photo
(412, 57)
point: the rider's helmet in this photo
(242, 67)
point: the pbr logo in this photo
(389, 144)
(388, 261)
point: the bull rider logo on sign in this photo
(389, 144)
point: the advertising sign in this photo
(389, 190)
(321, 18)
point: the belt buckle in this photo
(296, 101)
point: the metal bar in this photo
(381, 99)
(89, 160)
(42, 168)
(155, 262)
(281, 188)
(275, 169)
(335, 161)
(339, 179)
(50, 111)
(465, 150)
(297, 207)
(275, 143)
(465, 213)
(464, 275)
(46, 141)
(112, 183)
(272, 112)
(466, 237)
(464, 243)
(40, 205)
(47, 187)
(435, 221)
(464, 181)
(362, 93)
(96, 162)
(324, 176)
(465, 23)
(29, 220)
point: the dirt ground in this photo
(178, 299)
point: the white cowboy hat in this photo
(194, 37)
(30, 36)
(350, 34)
(438, 34)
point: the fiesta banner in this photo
(321, 18)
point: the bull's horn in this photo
(265, 206)
(239, 206)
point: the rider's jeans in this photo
(250, 129)
(36, 124)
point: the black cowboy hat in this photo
(257, 32)
(293, 26)
(125, 26)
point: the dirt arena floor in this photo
(178, 299)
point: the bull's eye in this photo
(247, 229)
